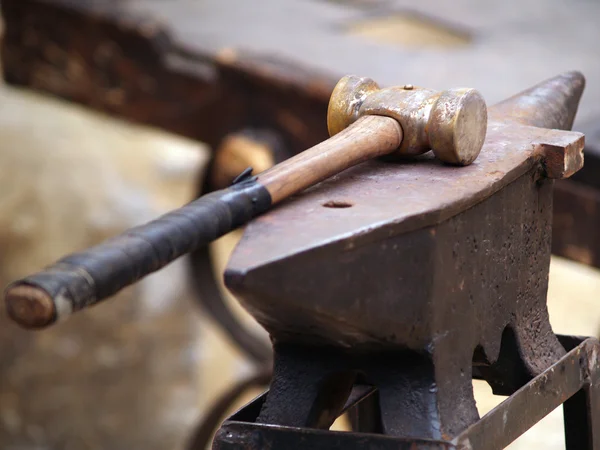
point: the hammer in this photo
(364, 122)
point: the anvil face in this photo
(407, 255)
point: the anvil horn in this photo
(550, 104)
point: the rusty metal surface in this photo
(386, 199)
(461, 257)
(572, 381)
(393, 198)
(443, 291)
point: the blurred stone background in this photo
(137, 371)
(69, 179)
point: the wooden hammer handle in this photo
(85, 278)
(367, 138)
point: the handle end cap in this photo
(29, 306)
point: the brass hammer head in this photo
(452, 123)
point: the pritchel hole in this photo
(337, 204)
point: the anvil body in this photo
(427, 269)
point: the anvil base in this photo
(573, 382)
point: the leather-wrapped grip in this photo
(85, 278)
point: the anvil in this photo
(413, 276)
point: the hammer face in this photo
(457, 126)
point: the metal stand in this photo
(573, 381)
